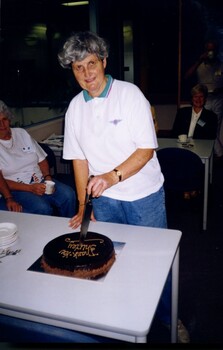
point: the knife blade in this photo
(87, 214)
(86, 218)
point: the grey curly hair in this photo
(5, 110)
(79, 46)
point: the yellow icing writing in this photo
(77, 249)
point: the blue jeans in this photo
(149, 211)
(62, 201)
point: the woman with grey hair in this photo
(5, 109)
(111, 139)
(79, 46)
(23, 171)
(109, 133)
(196, 121)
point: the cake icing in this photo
(66, 255)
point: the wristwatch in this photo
(118, 173)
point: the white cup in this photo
(49, 186)
(182, 138)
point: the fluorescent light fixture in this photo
(75, 3)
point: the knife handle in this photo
(88, 197)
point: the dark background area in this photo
(168, 35)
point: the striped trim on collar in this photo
(104, 93)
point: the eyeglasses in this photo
(90, 66)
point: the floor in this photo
(201, 265)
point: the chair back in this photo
(183, 170)
(50, 157)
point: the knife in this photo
(86, 217)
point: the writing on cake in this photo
(77, 249)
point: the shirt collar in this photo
(196, 115)
(104, 93)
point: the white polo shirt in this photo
(194, 120)
(19, 157)
(106, 130)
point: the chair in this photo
(50, 157)
(67, 179)
(183, 172)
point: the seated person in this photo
(196, 121)
(24, 167)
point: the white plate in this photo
(7, 229)
(8, 244)
(9, 238)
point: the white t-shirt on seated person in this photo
(106, 130)
(19, 157)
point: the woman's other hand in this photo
(38, 188)
(76, 221)
(12, 205)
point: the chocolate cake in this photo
(65, 255)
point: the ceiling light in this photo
(75, 3)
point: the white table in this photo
(121, 306)
(204, 149)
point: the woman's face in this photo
(90, 74)
(198, 100)
(4, 126)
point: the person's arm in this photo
(181, 123)
(45, 169)
(11, 204)
(99, 183)
(192, 70)
(36, 188)
(176, 125)
(194, 67)
(132, 165)
(81, 175)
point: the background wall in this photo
(33, 31)
(32, 115)
(52, 121)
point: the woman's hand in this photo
(38, 188)
(98, 184)
(76, 221)
(12, 205)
